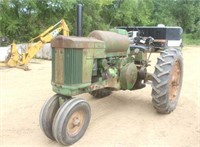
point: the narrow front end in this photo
(72, 63)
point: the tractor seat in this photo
(140, 47)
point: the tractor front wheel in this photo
(167, 80)
(47, 114)
(71, 121)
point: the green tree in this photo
(22, 20)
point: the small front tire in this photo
(47, 114)
(71, 121)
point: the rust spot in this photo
(175, 82)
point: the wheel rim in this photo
(75, 123)
(175, 82)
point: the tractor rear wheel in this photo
(167, 81)
(71, 121)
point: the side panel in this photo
(53, 65)
(88, 59)
(57, 66)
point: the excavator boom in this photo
(21, 60)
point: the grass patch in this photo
(188, 39)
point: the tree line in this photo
(22, 20)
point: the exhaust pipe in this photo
(79, 19)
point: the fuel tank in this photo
(114, 42)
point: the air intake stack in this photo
(79, 19)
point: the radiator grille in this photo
(73, 66)
(67, 66)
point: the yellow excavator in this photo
(15, 59)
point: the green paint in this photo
(70, 90)
(87, 65)
(74, 59)
(141, 56)
(73, 66)
(128, 76)
(112, 72)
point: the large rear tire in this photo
(167, 81)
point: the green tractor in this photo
(107, 61)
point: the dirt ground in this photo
(123, 119)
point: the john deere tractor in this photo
(107, 61)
